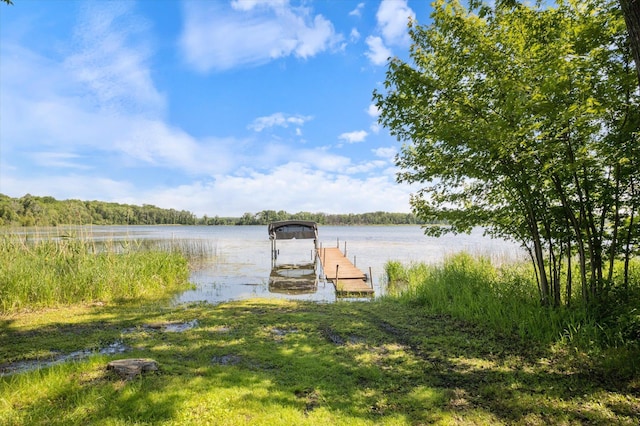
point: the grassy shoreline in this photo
(274, 362)
(505, 300)
(441, 353)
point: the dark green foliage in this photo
(31, 210)
(375, 218)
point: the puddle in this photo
(170, 327)
(116, 347)
(180, 327)
(226, 360)
(283, 331)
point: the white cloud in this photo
(373, 111)
(353, 137)
(251, 33)
(246, 5)
(59, 159)
(358, 10)
(388, 153)
(366, 167)
(291, 187)
(324, 161)
(103, 101)
(392, 19)
(157, 144)
(278, 119)
(112, 57)
(393, 16)
(354, 35)
(314, 39)
(378, 53)
(69, 186)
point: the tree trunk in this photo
(631, 11)
(539, 256)
(569, 274)
(575, 225)
(627, 251)
(616, 225)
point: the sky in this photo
(216, 107)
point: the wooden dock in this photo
(350, 280)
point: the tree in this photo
(631, 11)
(523, 120)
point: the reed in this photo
(37, 272)
(196, 251)
(505, 299)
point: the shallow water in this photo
(117, 347)
(244, 266)
(21, 366)
(238, 262)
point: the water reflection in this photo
(294, 279)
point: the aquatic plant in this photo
(40, 272)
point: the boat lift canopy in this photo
(290, 229)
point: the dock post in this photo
(354, 261)
(324, 260)
(371, 277)
(345, 249)
(337, 269)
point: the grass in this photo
(266, 362)
(470, 288)
(458, 345)
(43, 272)
(505, 300)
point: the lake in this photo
(238, 264)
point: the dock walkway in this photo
(349, 280)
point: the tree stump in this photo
(132, 367)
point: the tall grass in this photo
(40, 272)
(506, 299)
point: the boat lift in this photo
(292, 229)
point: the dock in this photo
(347, 279)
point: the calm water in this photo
(239, 265)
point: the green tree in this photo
(523, 120)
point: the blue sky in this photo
(216, 107)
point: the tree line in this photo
(31, 210)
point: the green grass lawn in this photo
(267, 362)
